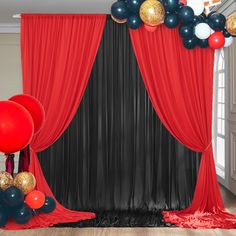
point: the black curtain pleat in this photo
(116, 155)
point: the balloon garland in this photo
(195, 27)
(20, 118)
(18, 199)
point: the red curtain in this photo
(180, 85)
(58, 52)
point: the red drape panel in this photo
(180, 85)
(58, 52)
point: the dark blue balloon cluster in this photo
(128, 9)
(176, 15)
(12, 206)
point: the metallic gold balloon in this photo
(25, 181)
(152, 12)
(231, 24)
(6, 180)
(118, 20)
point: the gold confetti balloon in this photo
(6, 180)
(118, 20)
(25, 181)
(231, 24)
(152, 12)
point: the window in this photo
(219, 113)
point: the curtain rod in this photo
(16, 16)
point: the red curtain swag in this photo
(180, 85)
(58, 52)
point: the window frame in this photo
(220, 170)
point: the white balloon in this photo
(228, 41)
(197, 6)
(202, 31)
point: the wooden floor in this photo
(119, 232)
(230, 204)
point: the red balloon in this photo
(150, 28)
(34, 107)
(216, 40)
(35, 199)
(16, 127)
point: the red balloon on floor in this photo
(216, 40)
(35, 199)
(16, 127)
(34, 107)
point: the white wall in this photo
(10, 74)
(10, 67)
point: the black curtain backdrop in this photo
(116, 155)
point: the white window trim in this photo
(221, 171)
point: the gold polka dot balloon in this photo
(231, 24)
(6, 180)
(25, 181)
(152, 12)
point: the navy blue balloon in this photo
(186, 31)
(13, 196)
(226, 33)
(203, 43)
(34, 212)
(49, 205)
(134, 5)
(196, 20)
(171, 20)
(119, 10)
(217, 21)
(1, 195)
(3, 216)
(134, 21)
(180, 5)
(171, 5)
(186, 14)
(190, 43)
(22, 214)
(203, 16)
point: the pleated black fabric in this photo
(116, 155)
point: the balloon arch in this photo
(196, 27)
(20, 118)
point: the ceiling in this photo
(10, 7)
